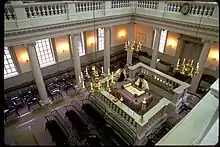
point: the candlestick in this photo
(83, 85)
(191, 63)
(184, 61)
(107, 83)
(112, 78)
(102, 70)
(82, 75)
(91, 86)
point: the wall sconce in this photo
(25, 57)
(171, 43)
(63, 47)
(92, 41)
(121, 34)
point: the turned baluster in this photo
(197, 10)
(29, 12)
(168, 7)
(201, 10)
(63, 8)
(178, 8)
(193, 10)
(55, 9)
(79, 7)
(210, 11)
(47, 10)
(8, 13)
(38, 10)
(172, 7)
(43, 11)
(5, 15)
(89, 6)
(83, 7)
(205, 10)
(34, 11)
(175, 7)
(59, 10)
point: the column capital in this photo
(75, 35)
(28, 45)
(206, 41)
(107, 28)
(158, 29)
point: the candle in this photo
(112, 78)
(91, 86)
(83, 84)
(184, 61)
(108, 71)
(79, 79)
(178, 61)
(107, 83)
(102, 70)
(86, 70)
(128, 43)
(191, 62)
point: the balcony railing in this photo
(23, 15)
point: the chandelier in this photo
(186, 68)
(133, 46)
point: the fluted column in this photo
(131, 39)
(155, 48)
(75, 38)
(36, 71)
(107, 43)
(202, 60)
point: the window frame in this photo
(103, 39)
(163, 44)
(82, 45)
(52, 52)
(13, 62)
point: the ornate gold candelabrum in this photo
(186, 68)
(95, 84)
(133, 46)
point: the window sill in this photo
(48, 64)
(10, 76)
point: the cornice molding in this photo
(13, 37)
(61, 25)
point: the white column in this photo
(107, 43)
(155, 48)
(130, 39)
(75, 38)
(36, 71)
(202, 60)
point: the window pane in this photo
(163, 36)
(45, 51)
(9, 67)
(100, 39)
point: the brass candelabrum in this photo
(95, 84)
(133, 46)
(186, 68)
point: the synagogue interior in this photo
(111, 73)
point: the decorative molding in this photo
(29, 45)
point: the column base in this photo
(45, 102)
